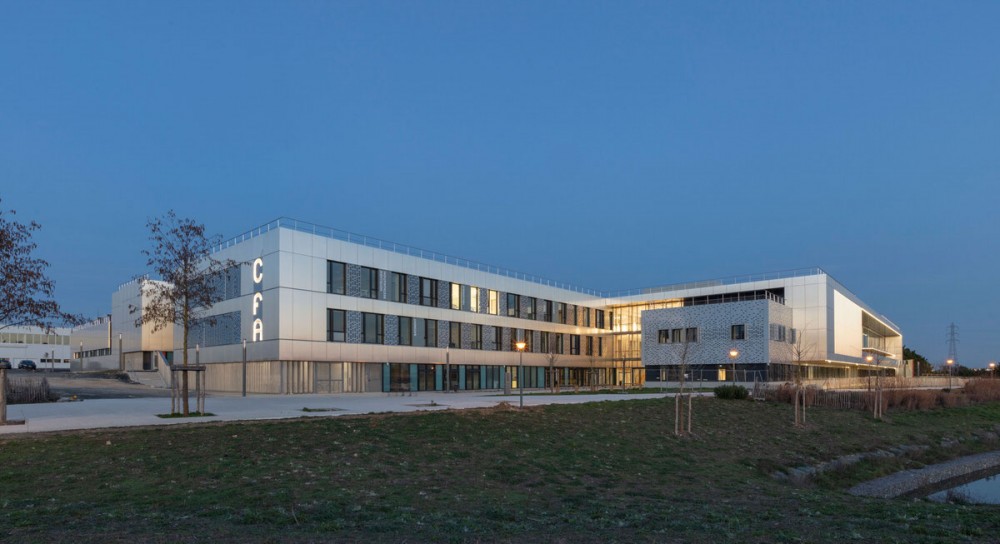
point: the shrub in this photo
(29, 392)
(736, 392)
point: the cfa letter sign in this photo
(258, 299)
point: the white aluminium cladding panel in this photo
(319, 249)
(847, 332)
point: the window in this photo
(547, 310)
(476, 342)
(369, 282)
(675, 336)
(497, 336)
(560, 313)
(574, 344)
(691, 334)
(513, 305)
(777, 332)
(600, 346)
(372, 326)
(336, 326)
(599, 319)
(455, 335)
(405, 331)
(738, 332)
(663, 336)
(793, 336)
(590, 345)
(428, 292)
(494, 302)
(543, 342)
(430, 333)
(397, 287)
(456, 296)
(559, 343)
(474, 299)
(574, 314)
(530, 308)
(586, 316)
(335, 277)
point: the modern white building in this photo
(323, 310)
(48, 349)
(326, 310)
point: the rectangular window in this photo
(474, 299)
(590, 345)
(531, 308)
(372, 327)
(559, 343)
(397, 287)
(543, 342)
(336, 326)
(599, 319)
(793, 336)
(574, 315)
(494, 302)
(586, 316)
(335, 277)
(663, 336)
(369, 282)
(513, 305)
(691, 334)
(428, 292)
(600, 346)
(497, 336)
(430, 333)
(476, 342)
(547, 309)
(738, 332)
(560, 313)
(405, 331)
(455, 335)
(574, 344)
(777, 332)
(456, 296)
(675, 336)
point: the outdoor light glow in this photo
(734, 353)
(521, 345)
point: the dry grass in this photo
(895, 396)
(29, 391)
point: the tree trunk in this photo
(184, 374)
(3, 396)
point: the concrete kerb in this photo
(140, 412)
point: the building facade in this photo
(317, 310)
(48, 349)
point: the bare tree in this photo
(682, 416)
(552, 357)
(26, 291)
(800, 352)
(182, 257)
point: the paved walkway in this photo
(105, 413)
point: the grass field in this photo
(600, 472)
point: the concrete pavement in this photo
(107, 413)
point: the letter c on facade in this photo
(258, 270)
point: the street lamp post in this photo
(950, 362)
(733, 354)
(121, 354)
(993, 369)
(520, 370)
(244, 367)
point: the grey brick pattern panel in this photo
(353, 280)
(224, 331)
(412, 289)
(391, 337)
(354, 327)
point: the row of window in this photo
(463, 297)
(778, 333)
(419, 332)
(29, 338)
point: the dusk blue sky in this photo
(606, 144)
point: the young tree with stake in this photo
(182, 257)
